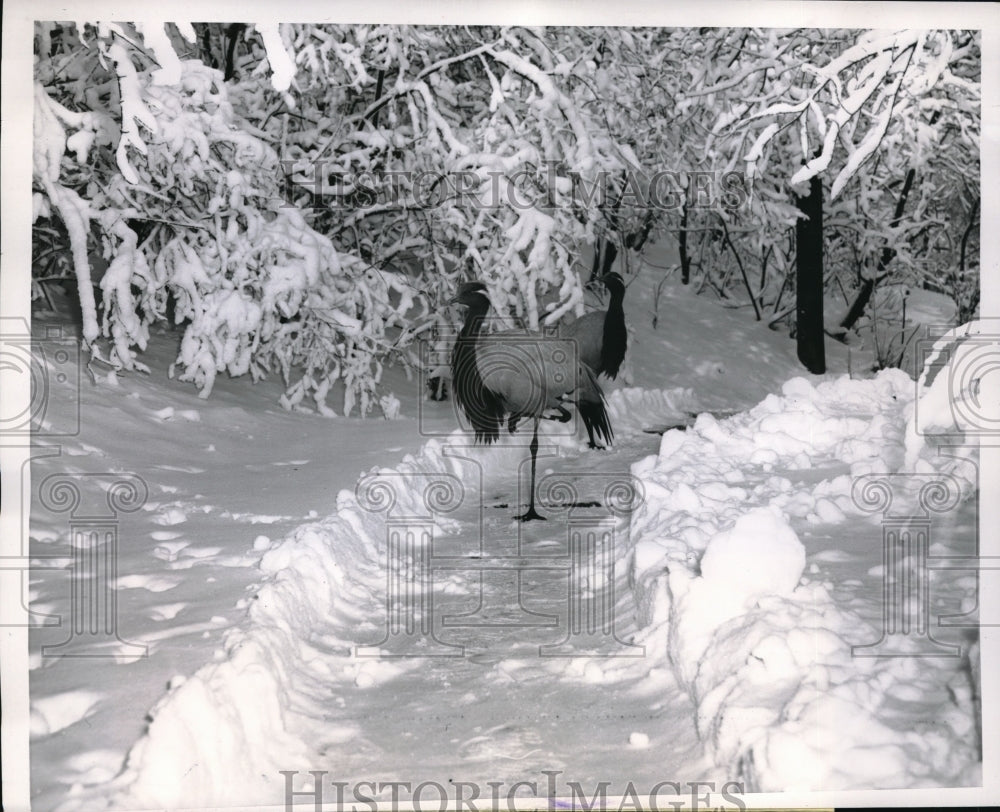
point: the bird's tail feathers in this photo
(592, 408)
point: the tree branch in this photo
(743, 273)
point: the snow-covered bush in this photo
(863, 109)
(255, 287)
(471, 147)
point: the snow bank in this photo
(203, 744)
(764, 653)
(221, 736)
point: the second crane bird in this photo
(602, 338)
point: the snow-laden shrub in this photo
(482, 154)
(255, 287)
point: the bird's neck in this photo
(614, 321)
(616, 309)
(615, 335)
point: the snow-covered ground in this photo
(731, 577)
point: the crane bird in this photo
(601, 338)
(515, 374)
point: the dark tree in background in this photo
(809, 279)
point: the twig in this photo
(781, 291)
(781, 315)
(743, 273)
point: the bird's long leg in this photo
(531, 512)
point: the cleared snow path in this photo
(312, 684)
(499, 708)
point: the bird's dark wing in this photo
(483, 407)
(587, 332)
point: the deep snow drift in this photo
(744, 572)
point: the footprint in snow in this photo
(42, 614)
(168, 413)
(170, 516)
(165, 535)
(168, 550)
(43, 535)
(51, 714)
(152, 583)
(503, 741)
(833, 556)
(166, 611)
(83, 450)
(202, 552)
(93, 767)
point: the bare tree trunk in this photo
(809, 279)
(739, 262)
(966, 309)
(965, 236)
(682, 239)
(233, 34)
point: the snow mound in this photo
(765, 654)
(320, 583)
(759, 555)
(715, 568)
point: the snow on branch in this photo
(133, 110)
(301, 241)
(48, 148)
(867, 88)
(282, 65)
(155, 38)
